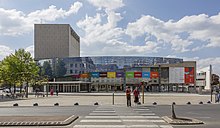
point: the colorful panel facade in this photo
(189, 75)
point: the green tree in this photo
(60, 69)
(47, 69)
(18, 68)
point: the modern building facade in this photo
(204, 78)
(108, 73)
(55, 41)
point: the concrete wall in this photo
(54, 41)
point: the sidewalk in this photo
(66, 99)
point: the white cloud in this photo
(96, 32)
(107, 4)
(198, 27)
(31, 50)
(5, 51)
(14, 22)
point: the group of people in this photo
(136, 95)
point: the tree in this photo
(60, 69)
(18, 68)
(47, 69)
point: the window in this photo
(71, 65)
(71, 71)
(75, 65)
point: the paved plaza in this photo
(107, 99)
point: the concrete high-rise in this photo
(55, 41)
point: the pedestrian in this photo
(57, 92)
(128, 96)
(136, 95)
(51, 91)
(36, 92)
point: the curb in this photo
(41, 123)
(182, 121)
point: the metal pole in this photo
(211, 93)
(143, 92)
(113, 98)
(47, 88)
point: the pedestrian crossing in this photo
(121, 117)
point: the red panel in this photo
(154, 74)
(189, 75)
(137, 74)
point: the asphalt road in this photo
(208, 113)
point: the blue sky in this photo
(187, 29)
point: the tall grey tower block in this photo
(55, 41)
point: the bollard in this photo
(16, 104)
(200, 102)
(173, 115)
(154, 103)
(174, 103)
(35, 104)
(56, 104)
(76, 103)
(113, 98)
(96, 103)
(209, 102)
(188, 103)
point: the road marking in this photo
(101, 121)
(141, 109)
(125, 117)
(104, 111)
(143, 120)
(103, 114)
(100, 117)
(141, 117)
(147, 114)
(165, 126)
(99, 126)
(122, 126)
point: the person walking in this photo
(57, 92)
(51, 91)
(136, 95)
(128, 96)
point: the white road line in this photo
(141, 109)
(102, 114)
(124, 117)
(101, 121)
(122, 126)
(104, 111)
(100, 117)
(165, 126)
(99, 126)
(141, 117)
(143, 120)
(147, 114)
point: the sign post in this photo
(142, 92)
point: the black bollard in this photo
(35, 104)
(188, 103)
(16, 104)
(56, 104)
(200, 102)
(173, 115)
(209, 102)
(96, 103)
(154, 103)
(76, 103)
